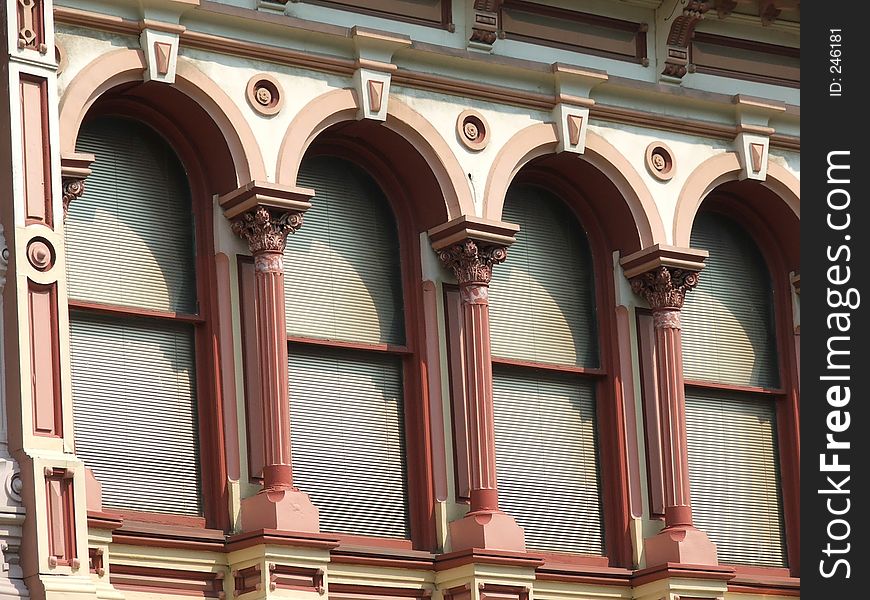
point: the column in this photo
(263, 215)
(50, 483)
(663, 277)
(471, 248)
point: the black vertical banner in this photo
(835, 348)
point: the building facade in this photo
(448, 299)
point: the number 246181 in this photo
(835, 40)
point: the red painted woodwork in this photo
(207, 161)
(414, 197)
(776, 231)
(45, 360)
(652, 426)
(137, 578)
(60, 509)
(472, 261)
(35, 150)
(272, 352)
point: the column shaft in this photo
(478, 385)
(272, 354)
(669, 355)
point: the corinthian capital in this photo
(663, 274)
(472, 262)
(266, 229)
(664, 287)
(264, 213)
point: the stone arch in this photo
(342, 105)
(128, 65)
(541, 139)
(721, 169)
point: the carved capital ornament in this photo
(665, 287)
(472, 262)
(266, 229)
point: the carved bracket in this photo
(74, 169)
(374, 69)
(484, 24)
(571, 112)
(160, 44)
(680, 36)
(752, 143)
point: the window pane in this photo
(728, 319)
(129, 237)
(734, 475)
(343, 277)
(348, 439)
(541, 299)
(547, 459)
(134, 407)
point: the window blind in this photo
(734, 475)
(541, 299)
(547, 459)
(343, 277)
(728, 319)
(347, 435)
(129, 237)
(134, 410)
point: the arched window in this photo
(346, 336)
(133, 318)
(732, 378)
(544, 344)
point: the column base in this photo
(285, 509)
(681, 544)
(487, 530)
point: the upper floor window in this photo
(346, 344)
(133, 319)
(545, 361)
(732, 377)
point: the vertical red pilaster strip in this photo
(485, 526)
(478, 384)
(678, 510)
(679, 542)
(35, 150)
(60, 508)
(44, 360)
(272, 355)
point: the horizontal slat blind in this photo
(541, 299)
(546, 456)
(347, 434)
(734, 475)
(343, 277)
(728, 319)
(134, 406)
(129, 238)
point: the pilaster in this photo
(662, 276)
(263, 215)
(471, 248)
(53, 549)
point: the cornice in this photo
(446, 84)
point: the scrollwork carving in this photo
(472, 263)
(72, 188)
(266, 229)
(665, 287)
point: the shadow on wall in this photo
(344, 278)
